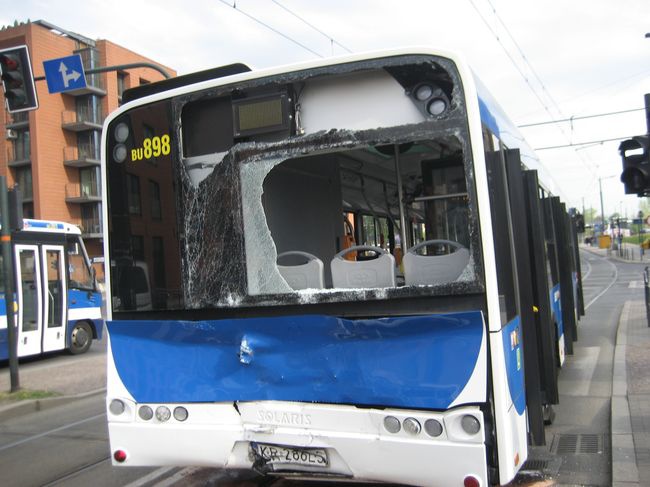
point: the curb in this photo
(624, 468)
(34, 405)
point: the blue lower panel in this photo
(4, 344)
(411, 362)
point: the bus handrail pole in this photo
(8, 270)
(400, 197)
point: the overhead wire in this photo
(583, 117)
(255, 19)
(331, 39)
(523, 75)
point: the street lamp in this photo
(602, 206)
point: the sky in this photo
(543, 61)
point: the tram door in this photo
(54, 294)
(29, 297)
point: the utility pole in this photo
(8, 269)
(602, 206)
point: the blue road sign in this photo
(64, 74)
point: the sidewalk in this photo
(630, 406)
(631, 398)
(69, 378)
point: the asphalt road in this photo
(68, 445)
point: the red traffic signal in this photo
(635, 153)
(17, 79)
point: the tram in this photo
(357, 271)
(58, 305)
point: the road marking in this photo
(150, 477)
(55, 430)
(584, 362)
(614, 279)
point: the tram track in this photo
(62, 479)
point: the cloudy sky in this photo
(543, 60)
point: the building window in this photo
(89, 178)
(156, 207)
(88, 145)
(137, 246)
(90, 218)
(158, 251)
(21, 146)
(121, 85)
(23, 177)
(133, 192)
(89, 109)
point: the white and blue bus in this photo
(350, 264)
(57, 303)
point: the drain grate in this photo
(578, 444)
(535, 465)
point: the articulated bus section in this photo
(335, 289)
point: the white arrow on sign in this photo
(67, 77)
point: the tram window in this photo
(303, 200)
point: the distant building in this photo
(53, 153)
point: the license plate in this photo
(275, 454)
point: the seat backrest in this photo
(434, 269)
(379, 272)
(308, 275)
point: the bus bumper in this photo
(356, 441)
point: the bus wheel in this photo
(81, 338)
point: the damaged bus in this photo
(349, 272)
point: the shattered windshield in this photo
(301, 191)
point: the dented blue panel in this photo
(411, 362)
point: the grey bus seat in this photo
(307, 275)
(379, 272)
(434, 269)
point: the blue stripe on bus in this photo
(4, 344)
(512, 337)
(83, 299)
(411, 362)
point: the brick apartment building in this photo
(53, 153)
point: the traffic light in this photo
(17, 79)
(636, 165)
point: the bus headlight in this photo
(116, 407)
(470, 424)
(433, 427)
(392, 424)
(121, 132)
(180, 413)
(412, 426)
(163, 413)
(145, 413)
(120, 153)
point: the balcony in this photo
(91, 228)
(18, 120)
(80, 121)
(78, 193)
(18, 158)
(82, 156)
(94, 86)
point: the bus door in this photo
(55, 297)
(29, 297)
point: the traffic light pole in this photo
(8, 270)
(120, 67)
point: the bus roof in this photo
(50, 226)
